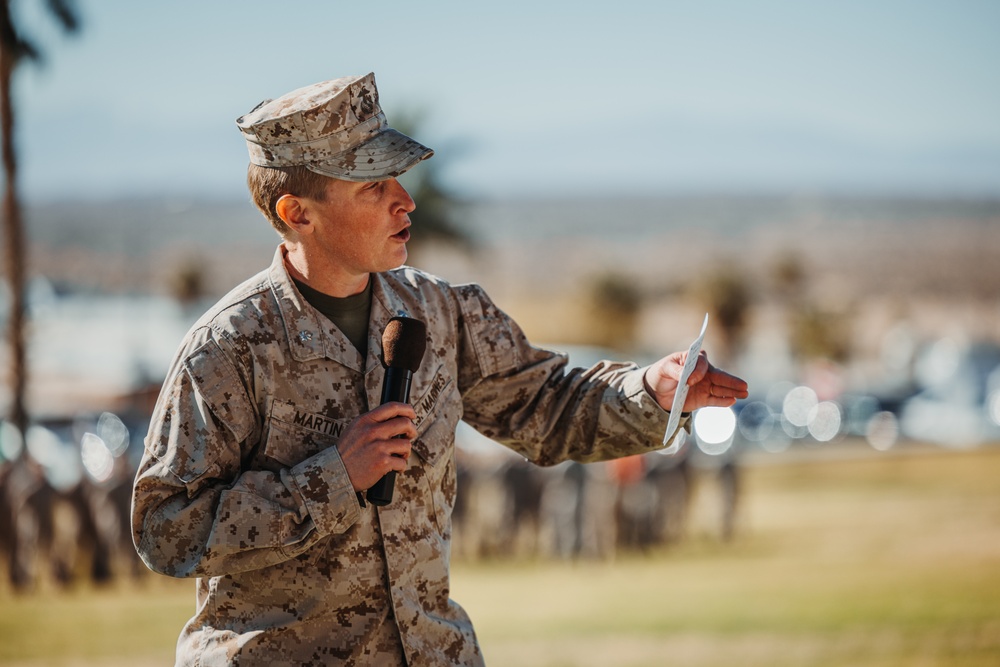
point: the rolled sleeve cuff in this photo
(645, 408)
(327, 492)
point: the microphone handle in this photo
(395, 388)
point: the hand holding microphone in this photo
(403, 343)
(379, 440)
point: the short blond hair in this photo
(268, 184)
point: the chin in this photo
(391, 264)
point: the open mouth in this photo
(403, 235)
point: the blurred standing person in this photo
(22, 484)
(729, 487)
(268, 430)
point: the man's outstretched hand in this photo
(707, 385)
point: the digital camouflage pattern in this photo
(241, 484)
(335, 128)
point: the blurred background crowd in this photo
(825, 186)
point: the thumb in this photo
(700, 370)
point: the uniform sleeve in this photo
(194, 512)
(528, 399)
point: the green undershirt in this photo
(349, 314)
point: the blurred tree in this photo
(816, 331)
(434, 218)
(188, 283)
(789, 275)
(726, 294)
(615, 303)
(820, 334)
(14, 49)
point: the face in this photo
(361, 228)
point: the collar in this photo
(312, 336)
(308, 337)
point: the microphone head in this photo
(403, 343)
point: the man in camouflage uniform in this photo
(269, 429)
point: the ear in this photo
(292, 212)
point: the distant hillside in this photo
(875, 243)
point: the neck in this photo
(330, 280)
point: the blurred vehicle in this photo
(959, 403)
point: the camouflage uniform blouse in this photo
(242, 486)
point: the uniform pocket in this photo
(489, 330)
(293, 435)
(432, 469)
(430, 397)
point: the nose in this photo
(403, 201)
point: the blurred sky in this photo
(532, 97)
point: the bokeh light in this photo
(798, 405)
(756, 421)
(882, 431)
(714, 429)
(112, 430)
(824, 421)
(44, 445)
(993, 407)
(60, 460)
(97, 457)
(777, 442)
(11, 441)
(794, 431)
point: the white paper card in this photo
(677, 407)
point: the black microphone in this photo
(403, 344)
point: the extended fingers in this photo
(722, 385)
(727, 383)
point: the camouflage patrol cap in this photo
(335, 128)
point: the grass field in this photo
(867, 560)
